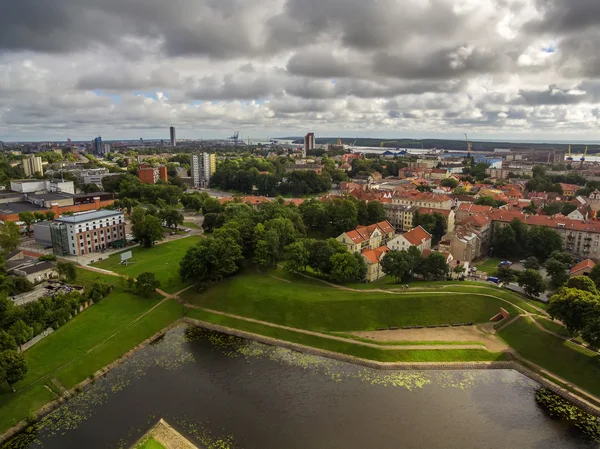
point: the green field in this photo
(554, 327)
(162, 260)
(381, 355)
(190, 225)
(564, 359)
(317, 306)
(490, 266)
(150, 443)
(85, 344)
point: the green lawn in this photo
(426, 355)
(162, 260)
(317, 306)
(150, 443)
(490, 265)
(88, 342)
(190, 225)
(554, 327)
(404, 342)
(565, 359)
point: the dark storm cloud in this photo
(553, 95)
(558, 16)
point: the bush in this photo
(61, 322)
(47, 258)
(55, 325)
(560, 408)
(98, 290)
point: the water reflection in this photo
(226, 392)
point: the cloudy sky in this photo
(515, 69)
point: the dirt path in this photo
(466, 333)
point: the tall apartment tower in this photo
(202, 168)
(33, 165)
(309, 143)
(97, 145)
(173, 138)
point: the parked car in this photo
(493, 279)
(505, 263)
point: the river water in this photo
(224, 393)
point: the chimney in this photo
(96, 202)
(54, 207)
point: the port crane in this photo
(583, 158)
(569, 155)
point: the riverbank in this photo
(411, 366)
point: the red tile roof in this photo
(477, 220)
(375, 255)
(588, 263)
(543, 220)
(474, 208)
(416, 236)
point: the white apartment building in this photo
(202, 167)
(87, 232)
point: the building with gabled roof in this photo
(418, 237)
(373, 258)
(583, 268)
(372, 236)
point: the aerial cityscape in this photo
(299, 224)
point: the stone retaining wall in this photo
(25, 346)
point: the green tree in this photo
(532, 263)
(212, 221)
(148, 230)
(14, 367)
(398, 264)
(98, 290)
(212, 206)
(210, 260)
(375, 212)
(344, 267)
(7, 341)
(28, 218)
(562, 256)
(343, 214)
(506, 275)
(315, 214)
(9, 236)
(146, 284)
(172, 217)
(21, 332)
(582, 283)
(532, 282)
(557, 272)
(552, 208)
(265, 252)
(504, 240)
(449, 182)
(572, 307)
(434, 267)
(591, 331)
(595, 275)
(542, 241)
(50, 215)
(297, 257)
(434, 223)
(67, 271)
(137, 216)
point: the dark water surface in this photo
(230, 393)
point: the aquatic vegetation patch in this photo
(560, 408)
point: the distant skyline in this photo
(510, 70)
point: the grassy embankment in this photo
(381, 355)
(567, 360)
(162, 260)
(88, 342)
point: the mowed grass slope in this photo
(91, 340)
(364, 352)
(162, 260)
(325, 308)
(565, 359)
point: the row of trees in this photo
(518, 240)
(127, 186)
(404, 266)
(328, 258)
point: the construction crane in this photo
(583, 158)
(469, 146)
(569, 156)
